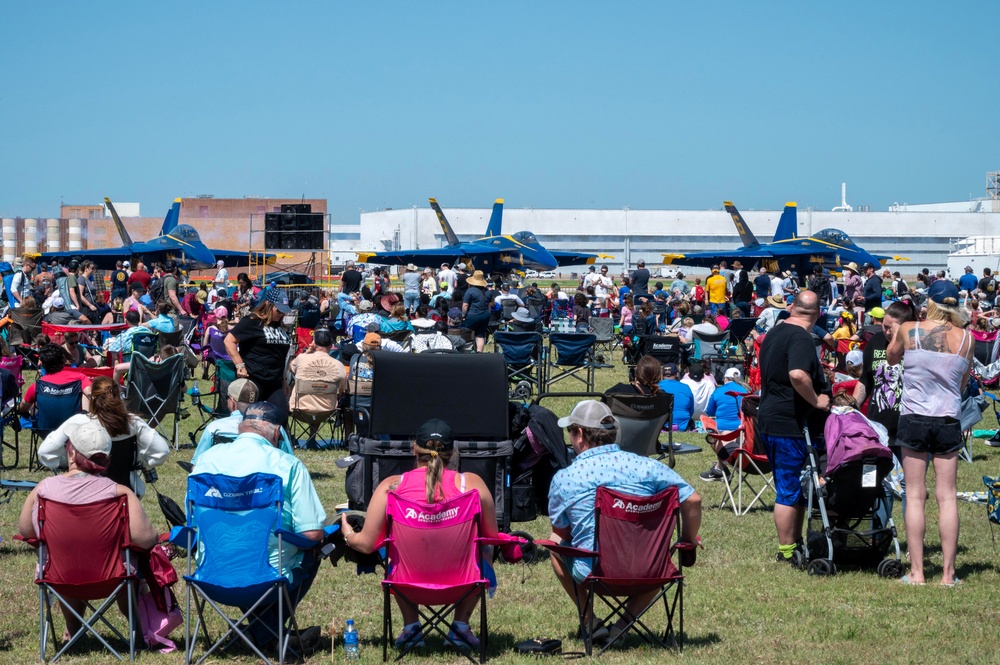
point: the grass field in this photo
(740, 606)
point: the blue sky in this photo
(546, 104)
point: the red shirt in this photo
(142, 277)
(60, 378)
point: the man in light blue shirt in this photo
(601, 463)
(255, 451)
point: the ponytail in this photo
(434, 459)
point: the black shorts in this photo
(929, 434)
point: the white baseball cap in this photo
(733, 373)
(590, 413)
(91, 438)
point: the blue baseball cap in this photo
(943, 292)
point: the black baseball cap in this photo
(436, 429)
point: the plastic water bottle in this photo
(195, 394)
(351, 641)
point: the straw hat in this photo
(776, 301)
(477, 279)
(853, 267)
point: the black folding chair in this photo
(154, 391)
(641, 420)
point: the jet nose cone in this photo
(544, 257)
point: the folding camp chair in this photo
(308, 422)
(438, 562)
(10, 398)
(570, 355)
(604, 329)
(641, 419)
(25, 326)
(749, 467)
(225, 373)
(710, 346)
(523, 354)
(232, 520)
(145, 343)
(101, 529)
(739, 330)
(633, 555)
(124, 459)
(154, 391)
(55, 403)
(175, 338)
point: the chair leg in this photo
(483, 636)
(386, 624)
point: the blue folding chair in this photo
(231, 520)
(570, 355)
(523, 354)
(56, 403)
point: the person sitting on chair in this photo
(601, 463)
(88, 453)
(163, 322)
(683, 396)
(108, 409)
(723, 415)
(255, 450)
(53, 361)
(648, 372)
(77, 354)
(317, 365)
(433, 482)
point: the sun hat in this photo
(855, 357)
(90, 438)
(410, 266)
(942, 291)
(477, 279)
(523, 315)
(279, 298)
(243, 390)
(853, 267)
(436, 429)
(201, 297)
(776, 301)
(590, 413)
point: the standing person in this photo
(259, 347)
(171, 286)
(640, 279)
(88, 298)
(604, 284)
(967, 282)
(819, 284)
(793, 394)
(221, 280)
(447, 275)
(937, 356)
(246, 295)
(20, 285)
(726, 272)
(762, 283)
(873, 287)
(476, 310)
(987, 287)
(716, 286)
(140, 274)
(119, 281)
(351, 280)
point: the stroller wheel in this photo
(798, 559)
(822, 567)
(522, 391)
(890, 568)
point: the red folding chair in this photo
(748, 464)
(84, 552)
(437, 562)
(634, 555)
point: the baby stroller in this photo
(847, 500)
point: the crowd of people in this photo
(909, 378)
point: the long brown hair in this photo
(435, 457)
(107, 406)
(648, 373)
(262, 313)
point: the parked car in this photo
(548, 274)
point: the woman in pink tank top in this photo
(89, 454)
(430, 482)
(937, 356)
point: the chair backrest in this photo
(154, 389)
(235, 518)
(665, 348)
(507, 309)
(100, 529)
(572, 349)
(172, 338)
(25, 325)
(144, 343)
(518, 348)
(633, 535)
(739, 329)
(709, 344)
(433, 544)
(14, 365)
(641, 419)
(56, 403)
(124, 460)
(217, 346)
(603, 328)
(315, 387)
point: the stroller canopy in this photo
(850, 437)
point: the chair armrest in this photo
(566, 550)
(503, 539)
(34, 542)
(179, 535)
(301, 542)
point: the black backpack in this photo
(155, 291)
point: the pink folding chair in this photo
(436, 560)
(633, 554)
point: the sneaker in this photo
(462, 634)
(408, 635)
(714, 474)
(599, 636)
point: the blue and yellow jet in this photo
(493, 253)
(787, 251)
(176, 242)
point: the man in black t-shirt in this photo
(119, 282)
(350, 281)
(987, 287)
(794, 394)
(640, 279)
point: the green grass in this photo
(740, 605)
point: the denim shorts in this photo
(929, 434)
(788, 456)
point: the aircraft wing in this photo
(751, 255)
(427, 257)
(576, 258)
(236, 259)
(104, 259)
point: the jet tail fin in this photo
(126, 240)
(449, 234)
(170, 221)
(496, 220)
(788, 225)
(746, 235)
